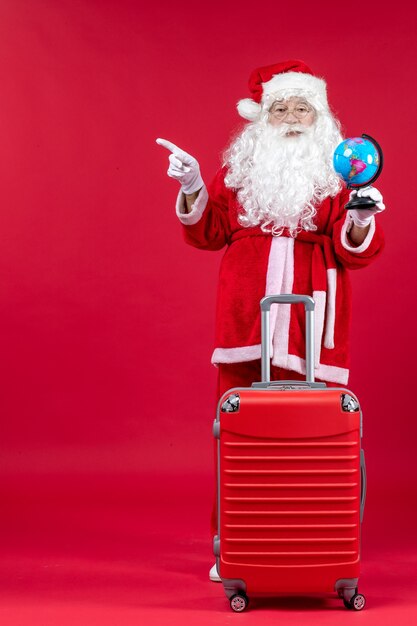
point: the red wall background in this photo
(106, 317)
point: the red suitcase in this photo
(291, 483)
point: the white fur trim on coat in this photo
(319, 298)
(236, 355)
(330, 308)
(331, 373)
(280, 328)
(279, 279)
(197, 209)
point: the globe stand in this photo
(360, 203)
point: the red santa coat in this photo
(256, 264)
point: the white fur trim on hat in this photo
(249, 109)
(305, 83)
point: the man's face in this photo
(292, 111)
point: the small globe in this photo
(358, 161)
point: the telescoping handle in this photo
(265, 332)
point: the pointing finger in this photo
(168, 145)
(181, 154)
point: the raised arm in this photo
(203, 213)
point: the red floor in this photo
(121, 551)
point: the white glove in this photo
(363, 217)
(183, 167)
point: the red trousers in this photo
(243, 375)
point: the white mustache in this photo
(291, 128)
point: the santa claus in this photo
(279, 207)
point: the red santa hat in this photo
(281, 80)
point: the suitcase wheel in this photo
(239, 602)
(356, 603)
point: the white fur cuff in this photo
(197, 209)
(366, 243)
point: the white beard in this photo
(279, 178)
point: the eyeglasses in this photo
(280, 111)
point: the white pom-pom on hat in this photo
(249, 109)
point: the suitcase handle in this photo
(265, 332)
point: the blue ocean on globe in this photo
(356, 160)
